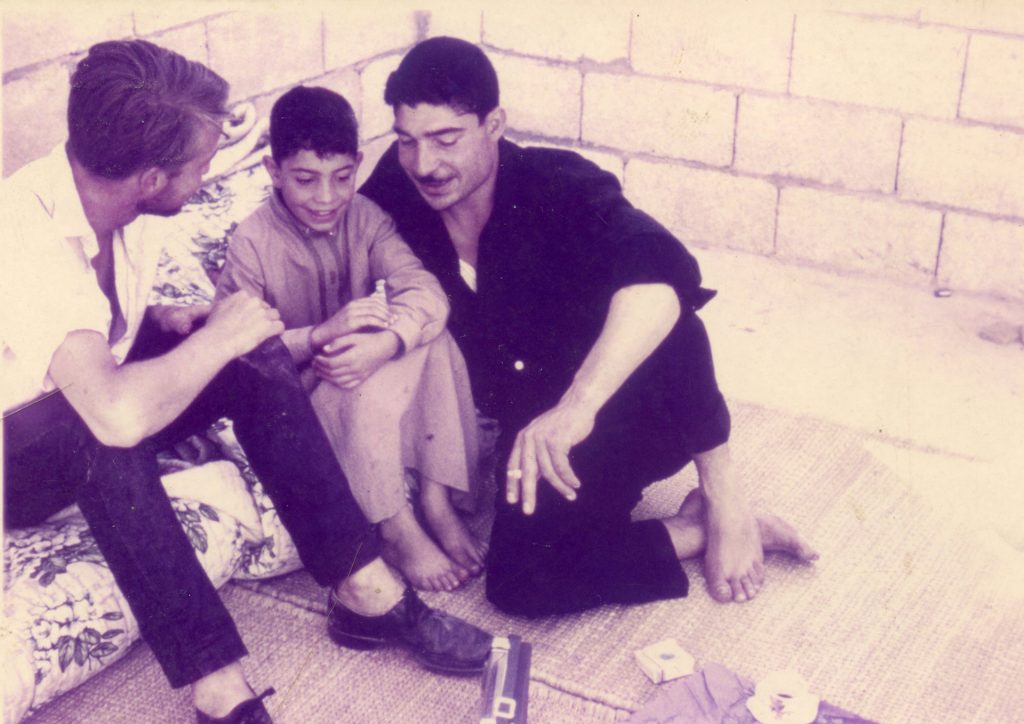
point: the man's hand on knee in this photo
(241, 322)
(541, 452)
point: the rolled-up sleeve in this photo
(627, 244)
(414, 294)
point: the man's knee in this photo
(517, 593)
(271, 360)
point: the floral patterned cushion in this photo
(66, 618)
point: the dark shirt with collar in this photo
(561, 240)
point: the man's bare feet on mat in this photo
(446, 524)
(727, 544)
(408, 547)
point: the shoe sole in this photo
(362, 643)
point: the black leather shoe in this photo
(250, 711)
(439, 642)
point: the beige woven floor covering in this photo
(910, 616)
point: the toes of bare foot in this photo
(780, 537)
(426, 567)
(721, 591)
(749, 588)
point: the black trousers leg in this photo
(52, 459)
(569, 557)
(277, 427)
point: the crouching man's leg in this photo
(369, 605)
(717, 522)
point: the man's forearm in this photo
(124, 404)
(639, 319)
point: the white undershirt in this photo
(468, 273)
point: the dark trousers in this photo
(571, 556)
(51, 460)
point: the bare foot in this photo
(690, 529)
(734, 559)
(455, 538)
(411, 550)
(778, 536)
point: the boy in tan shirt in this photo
(387, 380)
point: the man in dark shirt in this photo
(576, 314)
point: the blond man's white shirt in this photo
(48, 286)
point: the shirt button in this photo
(519, 366)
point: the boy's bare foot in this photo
(691, 533)
(455, 538)
(411, 550)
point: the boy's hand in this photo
(241, 322)
(174, 318)
(350, 360)
(359, 313)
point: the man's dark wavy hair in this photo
(134, 105)
(445, 72)
(312, 119)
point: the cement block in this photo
(742, 45)
(963, 166)
(31, 36)
(883, 237)
(188, 40)
(994, 84)
(540, 97)
(849, 147)
(456, 20)
(661, 117)
(606, 161)
(896, 9)
(155, 18)
(246, 48)
(564, 32)
(372, 152)
(1006, 16)
(35, 110)
(378, 118)
(878, 63)
(705, 207)
(354, 32)
(982, 255)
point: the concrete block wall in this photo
(261, 51)
(881, 137)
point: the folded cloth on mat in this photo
(717, 695)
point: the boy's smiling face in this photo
(316, 190)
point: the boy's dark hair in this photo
(312, 119)
(445, 72)
(134, 105)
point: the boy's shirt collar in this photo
(282, 212)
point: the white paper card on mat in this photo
(664, 661)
